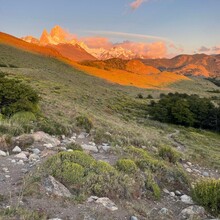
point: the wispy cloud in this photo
(136, 4)
(127, 36)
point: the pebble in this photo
(188, 170)
(178, 193)
(186, 199)
(7, 176)
(36, 151)
(166, 191)
(20, 162)
(48, 146)
(172, 194)
(2, 153)
(16, 149)
(163, 211)
(134, 218)
(21, 155)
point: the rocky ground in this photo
(54, 199)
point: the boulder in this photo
(21, 155)
(56, 188)
(186, 199)
(88, 147)
(106, 202)
(192, 212)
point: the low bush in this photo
(84, 123)
(127, 166)
(207, 194)
(23, 117)
(169, 154)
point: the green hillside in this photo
(67, 93)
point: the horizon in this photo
(158, 28)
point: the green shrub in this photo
(84, 123)
(23, 117)
(140, 96)
(169, 154)
(100, 167)
(16, 97)
(74, 146)
(71, 173)
(150, 164)
(151, 184)
(207, 194)
(136, 153)
(127, 166)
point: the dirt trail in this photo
(177, 144)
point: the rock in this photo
(192, 212)
(55, 219)
(178, 193)
(205, 174)
(2, 153)
(44, 138)
(92, 198)
(36, 151)
(48, 146)
(20, 162)
(186, 199)
(16, 149)
(105, 147)
(13, 161)
(63, 137)
(83, 135)
(63, 148)
(5, 170)
(172, 194)
(106, 202)
(23, 141)
(56, 188)
(133, 218)
(188, 170)
(88, 147)
(189, 164)
(33, 157)
(166, 191)
(69, 150)
(21, 155)
(7, 176)
(161, 214)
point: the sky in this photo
(161, 28)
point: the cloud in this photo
(209, 50)
(97, 42)
(129, 35)
(203, 49)
(136, 4)
(153, 50)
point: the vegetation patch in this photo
(84, 123)
(127, 166)
(169, 154)
(207, 194)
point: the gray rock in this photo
(20, 162)
(106, 202)
(161, 214)
(48, 146)
(192, 212)
(36, 151)
(186, 199)
(83, 135)
(188, 170)
(92, 198)
(134, 218)
(172, 194)
(21, 155)
(54, 187)
(206, 174)
(16, 149)
(2, 153)
(91, 148)
(34, 157)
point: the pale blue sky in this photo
(188, 23)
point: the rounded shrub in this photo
(100, 167)
(84, 123)
(72, 173)
(150, 164)
(169, 154)
(127, 166)
(207, 194)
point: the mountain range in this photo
(58, 44)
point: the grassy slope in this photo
(67, 92)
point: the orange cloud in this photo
(97, 42)
(152, 50)
(136, 4)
